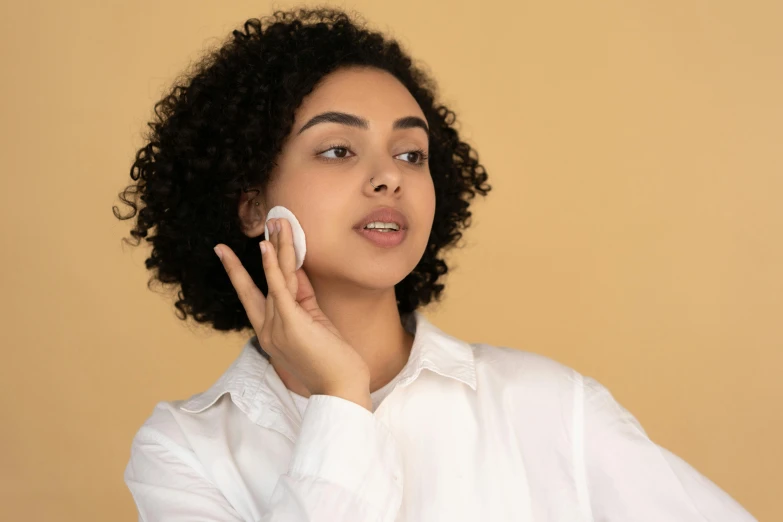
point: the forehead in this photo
(367, 92)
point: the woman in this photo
(348, 404)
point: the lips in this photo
(385, 215)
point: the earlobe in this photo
(252, 215)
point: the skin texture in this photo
(328, 190)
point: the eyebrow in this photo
(408, 122)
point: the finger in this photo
(284, 304)
(249, 294)
(278, 243)
(273, 241)
(287, 255)
(269, 315)
(305, 295)
(274, 236)
(270, 298)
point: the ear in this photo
(252, 217)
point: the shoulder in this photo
(525, 374)
(172, 435)
(235, 391)
(163, 426)
(521, 364)
(175, 425)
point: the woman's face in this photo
(324, 169)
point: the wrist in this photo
(356, 394)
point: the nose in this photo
(385, 178)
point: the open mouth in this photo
(378, 226)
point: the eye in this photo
(335, 152)
(419, 157)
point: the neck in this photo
(370, 322)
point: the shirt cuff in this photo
(344, 443)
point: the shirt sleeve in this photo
(629, 477)
(345, 466)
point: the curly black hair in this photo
(219, 130)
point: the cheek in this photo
(314, 204)
(324, 212)
(325, 221)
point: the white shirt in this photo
(466, 432)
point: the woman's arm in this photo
(628, 477)
(345, 466)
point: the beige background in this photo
(634, 231)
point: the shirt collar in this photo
(256, 388)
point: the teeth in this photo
(378, 225)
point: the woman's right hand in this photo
(290, 325)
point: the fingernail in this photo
(263, 247)
(219, 253)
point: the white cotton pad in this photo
(300, 247)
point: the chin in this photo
(374, 276)
(377, 270)
(372, 273)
